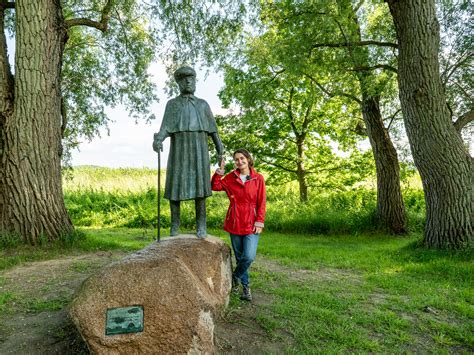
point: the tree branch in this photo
(463, 120)
(373, 67)
(306, 120)
(100, 25)
(392, 118)
(122, 28)
(290, 112)
(278, 165)
(357, 7)
(446, 76)
(6, 5)
(354, 44)
(268, 82)
(330, 93)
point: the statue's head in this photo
(186, 79)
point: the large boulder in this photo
(182, 283)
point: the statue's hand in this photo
(157, 144)
(220, 161)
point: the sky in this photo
(129, 144)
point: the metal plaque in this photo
(124, 320)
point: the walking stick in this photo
(159, 199)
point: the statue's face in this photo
(187, 84)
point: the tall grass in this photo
(104, 197)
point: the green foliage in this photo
(110, 66)
(105, 69)
(456, 54)
(300, 82)
(5, 298)
(97, 202)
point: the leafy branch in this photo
(100, 25)
(332, 93)
(354, 44)
(447, 75)
(373, 67)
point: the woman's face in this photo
(241, 162)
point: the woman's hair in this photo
(246, 154)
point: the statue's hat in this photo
(183, 72)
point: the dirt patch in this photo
(240, 331)
(34, 318)
(303, 275)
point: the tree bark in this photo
(390, 206)
(34, 203)
(300, 170)
(444, 164)
(6, 98)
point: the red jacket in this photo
(247, 201)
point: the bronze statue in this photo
(188, 121)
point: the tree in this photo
(456, 60)
(445, 167)
(292, 126)
(73, 58)
(330, 34)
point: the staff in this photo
(159, 198)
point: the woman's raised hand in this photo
(222, 164)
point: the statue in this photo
(188, 121)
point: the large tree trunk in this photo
(34, 204)
(390, 206)
(6, 96)
(444, 164)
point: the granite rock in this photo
(183, 284)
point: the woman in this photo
(246, 214)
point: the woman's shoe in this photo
(235, 285)
(246, 295)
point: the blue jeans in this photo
(245, 249)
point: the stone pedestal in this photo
(182, 283)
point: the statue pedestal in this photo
(161, 299)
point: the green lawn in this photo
(340, 293)
(370, 293)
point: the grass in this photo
(337, 284)
(372, 293)
(345, 293)
(5, 298)
(91, 240)
(102, 197)
(39, 305)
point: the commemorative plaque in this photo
(124, 320)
